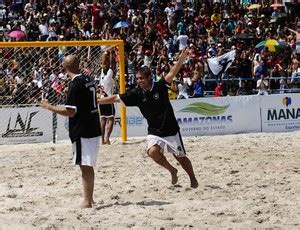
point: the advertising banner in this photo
(218, 115)
(136, 123)
(280, 113)
(203, 116)
(25, 125)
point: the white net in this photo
(31, 73)
(28, 73)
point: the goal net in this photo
(32, 70)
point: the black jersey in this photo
(155, 107)
(82, 97)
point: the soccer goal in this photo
(32, 70)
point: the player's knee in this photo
(154, 152)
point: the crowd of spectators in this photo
(154, 33)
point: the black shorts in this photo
(107, 110)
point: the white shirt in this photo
(106, 81)
(44, 29)
(182, 41)
(30, 7)
(170, 12)
(262, 85)
(182, 90)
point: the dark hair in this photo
(144, 70)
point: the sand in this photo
(246, 181)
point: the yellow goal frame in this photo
(117, 43)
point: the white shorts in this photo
(85, 151)
(174, 144)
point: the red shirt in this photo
(218, 91)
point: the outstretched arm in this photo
(175, 68)
(108, 100)
(64, 111)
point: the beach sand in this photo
(246, 181)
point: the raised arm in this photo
(294, 31)
(175, 68)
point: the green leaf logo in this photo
(205, 109)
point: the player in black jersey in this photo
(163, 130)
(84, 125)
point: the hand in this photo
(187, 52)
(44, 104)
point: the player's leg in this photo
(103, 125)
(155, 153)
(109, 128)
(187, 166)
(88, 177)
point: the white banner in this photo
(62, 132)
(136, 123)
(203, 116)
(199, 116)
(280, 113)
(25, 125)
(217, 115)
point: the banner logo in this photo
(204, 108)
(286, 101)
(21, 128)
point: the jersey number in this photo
(93, 90)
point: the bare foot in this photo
(108, 142)
(86, 205)
(174, 176)
(103, 142)
(194, 183)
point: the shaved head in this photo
(71, 63)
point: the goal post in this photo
(21, 58)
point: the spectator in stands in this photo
(219, 91)
(262, 85)
(260, 70)
(182, 90)
(197, 86)
(242, 89)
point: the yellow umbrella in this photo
(254, 6)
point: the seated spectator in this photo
(242, 89)
(262, 85)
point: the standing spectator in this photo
(30, 7)
(260, 70)
(219, 91)
(197, 85)
(107, 112)
(43, 28)
(182, 90)
(170, 12)
(242, 89)
(97, 15)
(183, 40)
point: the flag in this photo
(220, 64)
